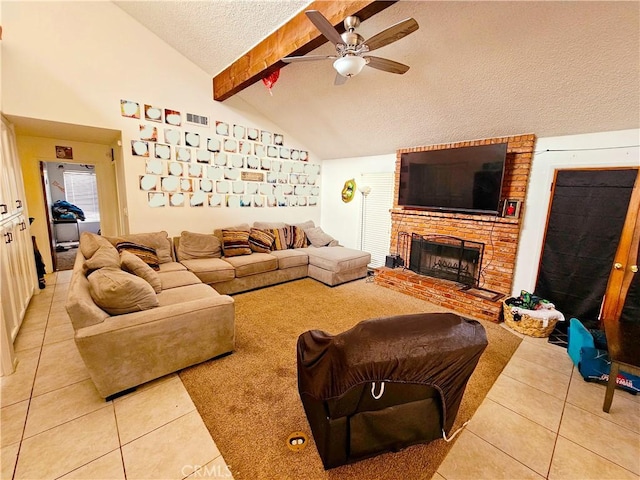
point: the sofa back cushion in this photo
(81, 308)
(305, 225)
(268, 225)
(235, 242)
(135, 265)
(90, 243)
(118, 292)
(159, 241)
(105, 256)
(198, 245)
(318, 238)
(260, 241)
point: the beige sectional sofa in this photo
(331, 265)
(136, 334)
(134, 324)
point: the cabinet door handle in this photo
(19, 203)
(634, 268)
(617, 266)
(23, 226)
(9, 237)
(4, 208)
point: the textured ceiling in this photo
(478, 69)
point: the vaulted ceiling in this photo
(478, 69)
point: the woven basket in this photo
(528, 325)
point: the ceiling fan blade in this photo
(308, 58)
(324, 26)
(386, 65)
(392, 34)
(340, 80)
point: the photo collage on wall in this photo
(235, 166)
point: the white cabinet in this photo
(18, 278)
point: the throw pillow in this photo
(105, 256)
(260, 240)
(235, 242)
(159, 241)
(147, 254)
(118, 292)
(198, 245)
(318, 238)
(298, 237)
(134, 264)
(281, 238)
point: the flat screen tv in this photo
(466, 179)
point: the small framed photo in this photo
(511, 208)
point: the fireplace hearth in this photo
(445, 257)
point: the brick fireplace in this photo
(499, 235)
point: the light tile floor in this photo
(55, 425)
(539, 420)
(542, 420)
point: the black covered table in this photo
(386, 383)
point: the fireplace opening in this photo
(445, 257)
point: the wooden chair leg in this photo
(611, 386)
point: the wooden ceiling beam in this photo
(296, 37)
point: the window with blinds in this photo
(375, 217)
(81, 190)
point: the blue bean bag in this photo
(593, 363)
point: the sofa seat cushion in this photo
(211, 270)
(252, 264)
(337, 259)
(291, 258)
(171, 267)
(90, 243)
(187, 293)
(177, 279)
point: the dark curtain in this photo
(587, 215)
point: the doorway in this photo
(586, 218)
(71, 194)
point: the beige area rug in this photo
(249, 400)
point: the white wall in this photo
(598, 150)
(593, 150)
(73, 62)
(342, 220)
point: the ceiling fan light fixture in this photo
(349, 65)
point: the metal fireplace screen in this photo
(450, 258)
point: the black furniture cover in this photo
(386, 383)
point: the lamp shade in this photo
(349, 65)
(365, 190)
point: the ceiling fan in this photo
(351, 48)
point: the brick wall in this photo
(500, 235)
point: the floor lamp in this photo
(365, 190)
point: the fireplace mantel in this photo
(500, 235)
